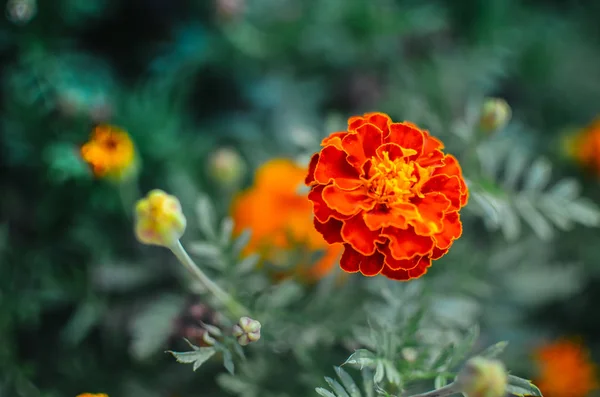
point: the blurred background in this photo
(201, 83)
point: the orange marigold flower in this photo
(389, 194)
(280, 218)
(110, 152)
(92, 395)
(565, 370)
(584, 147)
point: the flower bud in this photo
(226, 167)
(495, 114)
(482, 377)
(21, 11)
(246, 331)
(159, 219)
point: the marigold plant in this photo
(389, 194)
(110, 152)
(280, 216)
(565, 370)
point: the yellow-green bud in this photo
(159, 219)
(246, 331)
(495, 114)
(482, 377)
(226, 167)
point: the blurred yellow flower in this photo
(110, 152)
(565, 370)
(495, 114)
(280, 219)
(159, 219)
(482, 377)
(584, 146)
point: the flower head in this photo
(389, 194)
(482, 377)
(246, 331)
(226, 167)
(110, 152)
(495, 114)
(565, 370)
(280, 217)
(584, 147)
(159, 219)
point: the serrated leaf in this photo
(206, 217)
(348, 382)
(205, 250)
(362, 357)
(522, 387)
(379, 372)
(584, 212)
(465, 346)
(555, 212)
(567, 189)
(510, 223)
(248, 264)
(197, 357)
(494, 350)
(228, 362)
(392, 374)
(152, 326)
(531, 215)
(241, 242)
(538, 176)
(324, 392)
(516, 163)
(336, 387)
(226, 231)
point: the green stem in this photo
(447, 390)
(236, 309)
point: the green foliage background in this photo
(86, 307)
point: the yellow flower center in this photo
(395, 181)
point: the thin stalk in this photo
(236, 309)
(447, 390)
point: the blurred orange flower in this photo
(110, 152)
(280, 219)
(93, 395)
(565, 370)
(389, 194)
(584, 146)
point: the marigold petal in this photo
(405, 244)
(331, 230)
(432, 153)
(451, 230)
(371, 265)
(438, 253)
(447, 185)
(395, 274)
(451, 167)
(363, 144)
(347, 202)
(358, 235)
(380, 120)
(394, 263)
(407, 136)
(431, 209)
(320, 208)
(310, 177)
(334, 139)
(394, 151)
(405, 275)
(332, 166)
(350, 260)
(382, 216)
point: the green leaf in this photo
(206, 217)
(324, 392)
(392, 374)
(348, 382)
(362, 357)
(228, 362)
(465, 346)
(197, 357)
(538, 176)
(337, 388)
(368, 386)
(379, 372)
(440, 381)
(241, 242)
(226, 231)
(522, 387)
(247, 264)
(494, 350)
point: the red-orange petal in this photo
(451, 167)
(431, 154)
(320, 208)
(371, 265)
(394, 151)
(438, 253)
(452, 230)
(358, 235)
(310, 177)
(431, 208)
(380, 120)
(363, 144)
(332, 166)
(394, 263)
(334, 139)
(405, 244)
(404, 275)
(347, 202)
(331, 230)
(350, 260)
(380, 216)
(406, 136)
(449, 186)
